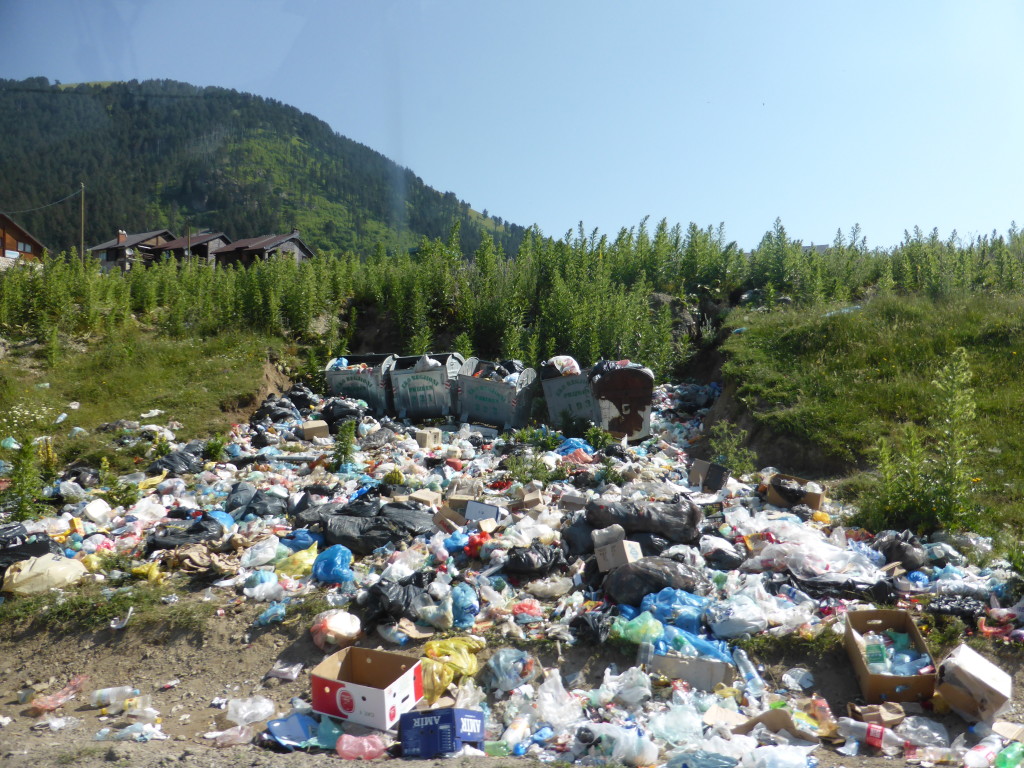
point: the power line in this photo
(48, 205)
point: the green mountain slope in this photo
(154, 153)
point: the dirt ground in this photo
(219, 663)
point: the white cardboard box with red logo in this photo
(367, 687)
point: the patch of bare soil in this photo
(274, 381)
(230, 659)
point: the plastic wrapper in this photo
(465, 606)
(274, 614)
(334, 629)
(57, 700)
(681, 724)
(509, 668)
(554, 705)
(334, 565)
(260, 553)
(628, 746)
(736, 616)
(247, 711)
(369, 747)
(437, 676)
(642, 629)
(439, 615)
(630, 689)
(550, 588)
(923, 731)
(299, 563)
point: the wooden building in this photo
(125, 250)
(19, 246)
(199, 245)
(245, 252)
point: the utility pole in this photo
(188, 238)
(81, 227)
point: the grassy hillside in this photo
(844, 380)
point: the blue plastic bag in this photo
(465, 606)
(571, 444)
(333, 565)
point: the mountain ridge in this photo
(165, 154)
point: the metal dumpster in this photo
(364, 377)
(491, 401)
(625, 397)
(428, 393)
(569, 395)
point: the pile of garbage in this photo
(418, 533)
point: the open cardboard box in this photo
(973, 686)
(879, 688)
(704, 674)
(812, 500)
(367, 687)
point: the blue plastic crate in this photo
(440, 731)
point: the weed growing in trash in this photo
(816, 646)
(344, 444)
(725, 446)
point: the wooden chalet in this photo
(245, 252)
(19, 247)
(199, 245)
(125, 250)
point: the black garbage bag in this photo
(725, 557)
(275, 409)
(302, 396)
(790, 490)
(87, 477)
(410, 517)
(651, 544)
(388, 601)
(177, 533)
(677, 521)
(184, 461)
(592, 627)
(265, 504)
(365, 506)
(362, 534)
(536, 560)
(903, 548)
(630, 582)
(337, 411)
(17, 544)
(577, 536)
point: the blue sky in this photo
(885, 114)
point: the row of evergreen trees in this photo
(585, 294)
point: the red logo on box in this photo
(392, 713)
(345, 701)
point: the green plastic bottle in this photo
(1010, 756)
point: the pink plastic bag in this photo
(57, 700)
(360, 747)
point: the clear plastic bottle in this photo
(104, 697)
(872, 734)
(752, 680)
(124, 705)
(983, 754)
(875, 653)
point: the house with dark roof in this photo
(245, 252)
(19, 247)
(125, 250)
(199, 245)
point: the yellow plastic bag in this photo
(458, 653)
(92, 563)
(153, 482)
(150, 572)
(299, 564)
(437, 676)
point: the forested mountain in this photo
(156, 152)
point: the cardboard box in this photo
(776, 720)
(367, 687)
(973, 686)
(812, 500)
(426, 496)
(879, 688)
(428, 438)
(448, 520)
(435, 732)
(317, 428)
(619, 553)
(572, 501)
(700, 673)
